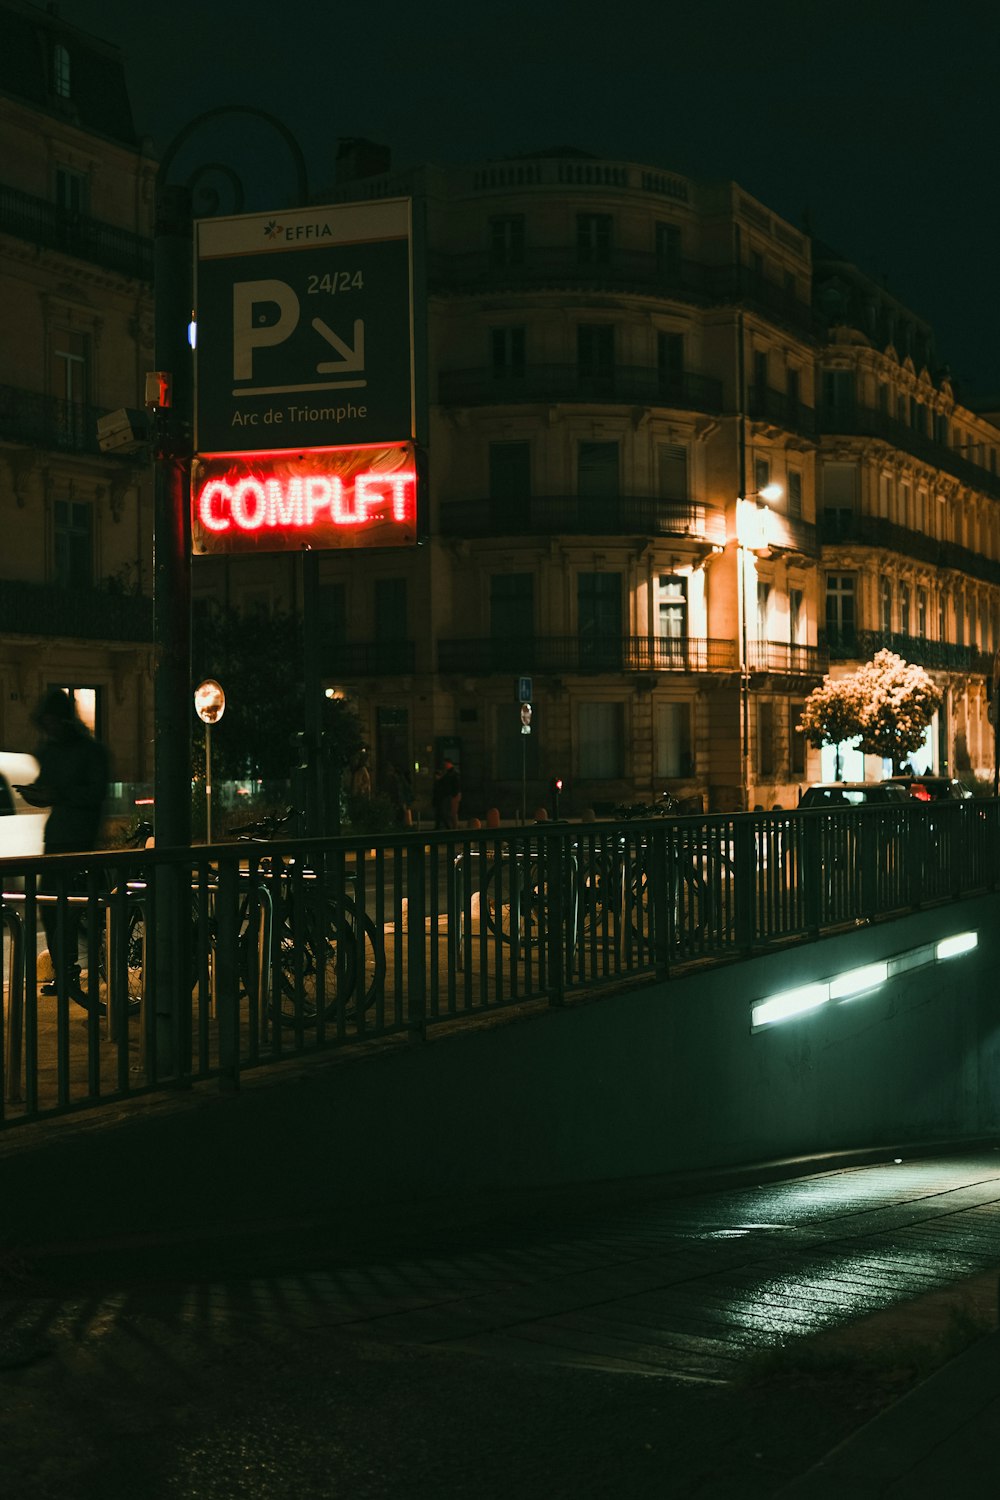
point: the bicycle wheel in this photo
(512, 900)
(135, 951)
(325, 959)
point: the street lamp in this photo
(752, 541)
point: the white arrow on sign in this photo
(350, 359)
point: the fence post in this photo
(555, 874)
(416, 933)
(744, 878)
(660, 900)
(811, 870)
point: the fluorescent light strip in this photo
(855, 982)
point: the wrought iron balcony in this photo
(782, 658)
(44, 422)
(861, 645)
(632, 385)
(591, 515)
(852, 419)
(47, 609)
(483, 655)
(56, 228)
(534, 267)
(844, 527)
(368, 658)
(782, 409)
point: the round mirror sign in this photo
(209, 701)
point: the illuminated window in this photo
(60, 71)
(593, 239)
(89, 705)
(761, 474)
(73, 544)
(672, 608)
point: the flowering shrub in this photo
(884, 707)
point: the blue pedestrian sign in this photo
(524, 692)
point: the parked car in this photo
(831, 794)
(22, 828)
(932, 788)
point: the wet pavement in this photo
(589, 1343)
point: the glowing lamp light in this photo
(962, 942)
(790, 1003)
(858, 981)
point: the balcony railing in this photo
(533, 267)
(368, 658)
(44, 422)
(861, 645)
(781, 658)
(779, 407)
(840, 526)
(82, 614)
(481, 656)
(639, 384)
(591, 515)
(855, 420)
(57, 228)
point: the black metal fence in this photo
(198, 964)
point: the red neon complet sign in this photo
(277, 502)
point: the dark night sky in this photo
(877, 118)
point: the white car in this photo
(22, 828)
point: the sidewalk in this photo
(942, 1438)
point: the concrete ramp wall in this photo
(659, 1079)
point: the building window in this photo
(943, 616)
(671, 622)
(510, 471)
(73, 542)
(840, 489)
(72, 191)
(794, 492)
(838, 390)
(885, 605)
(60, 71)
(760, 377)
(904, 608)
(595, 358)
(673, 741)
(668, 248)
(796, 617)
(763, 610)
(512, 607)
(601, 754)
(922, 614)
(792, 387)
(765, 737)
(670, 364)
(599, 621)
(507, 240)
(840, 606)
(959, 621)
(390, 609)
(672, 471)
(761, 474)
(597, 469)
(89, 705)
(593, 239)
(796, 741)
(507, 346)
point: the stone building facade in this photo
(76, 193)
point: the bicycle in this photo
(326, 957)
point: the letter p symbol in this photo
(251, 329)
